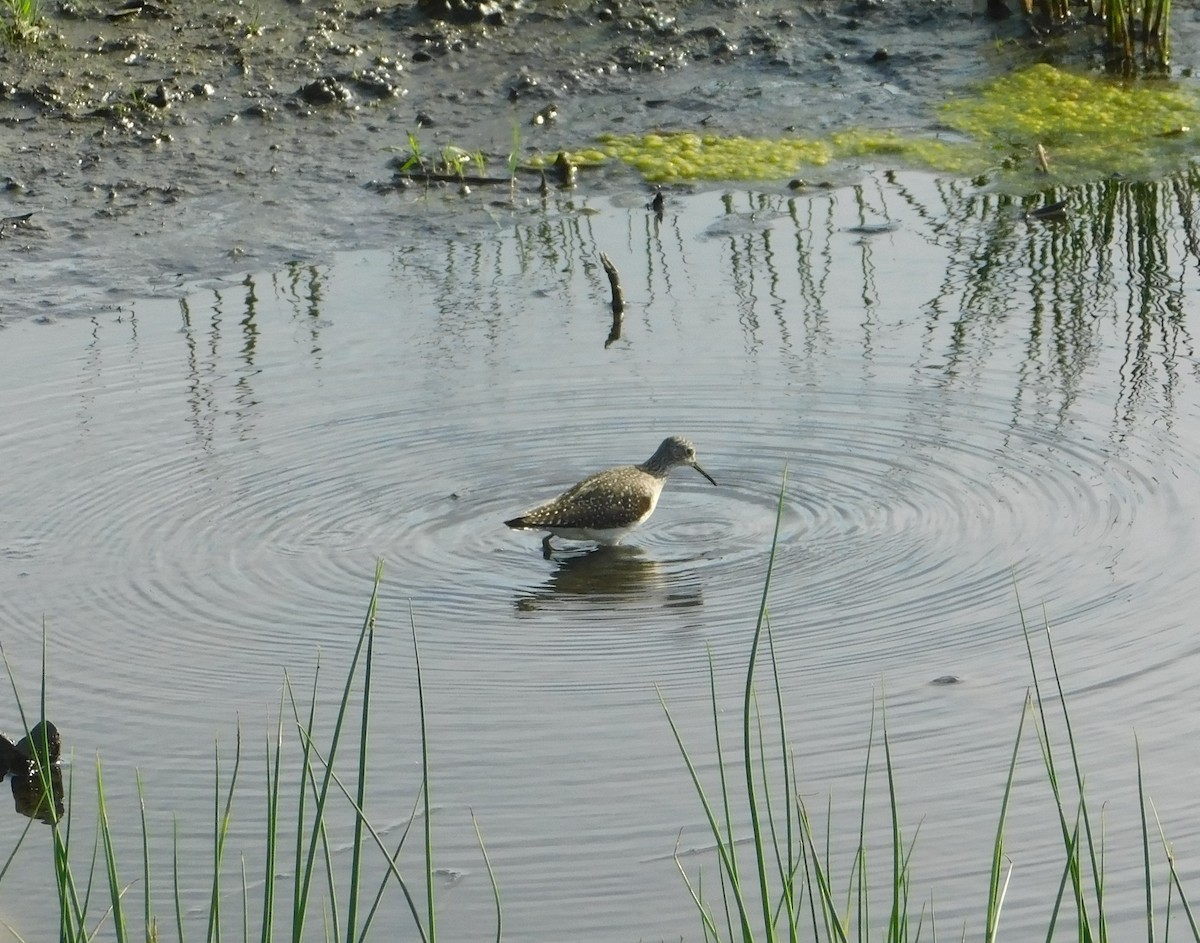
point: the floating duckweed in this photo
(1043, 100)
(1089, 125)
(946, 156)
(687, 156)
(589, 157)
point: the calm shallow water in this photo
(197, 492)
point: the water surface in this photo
(965, 404)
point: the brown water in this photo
(196, 493)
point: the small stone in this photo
(324, 91)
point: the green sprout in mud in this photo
(254, 27)
(455, 161)
(414, 154)
(514, 155)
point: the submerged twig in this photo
(618, 297)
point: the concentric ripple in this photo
(234, 518)
(196, 497)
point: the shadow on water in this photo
(611, 576)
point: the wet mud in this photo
(151, 146)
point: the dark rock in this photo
(324, 91)
(159, 98)
(378, 83)
(998, 10)
(43, 737)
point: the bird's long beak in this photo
(703, 472)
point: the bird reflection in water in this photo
(608, 574)
(31, 765)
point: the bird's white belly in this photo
(610, 536)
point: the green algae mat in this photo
(1077, 127)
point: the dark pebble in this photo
(324, 91)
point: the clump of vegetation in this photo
(88, 901)
(665, 157)
(1035, 120)
(789, 890)
(1124, 22)
(452, 164)
(1089, 125)
(23, 23)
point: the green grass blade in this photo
(1097, 867)
(393, 869)
(995, 899)
(706, 920)
(245, 904)
(787, 868)
(148, 918)
(756, 827)
(858, 874)
(221, 820)
(364, 725)
(332, 909)
(302, 882)
(772, 831)
(724, 851)
(1147, 873)
(726, 879)
(724, 783)
(315, 839)
(431, 926)
(175, 868)
(487, 863)
(388, 875)
(110, 861)
(16, 847)
(896, 918)
(273, 758)
(834, 930)
(811, 893)
(1187, 908)
(1070, 844)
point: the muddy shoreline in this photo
(157, 145)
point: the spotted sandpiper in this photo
(606, 506)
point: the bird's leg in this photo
(546, 548)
